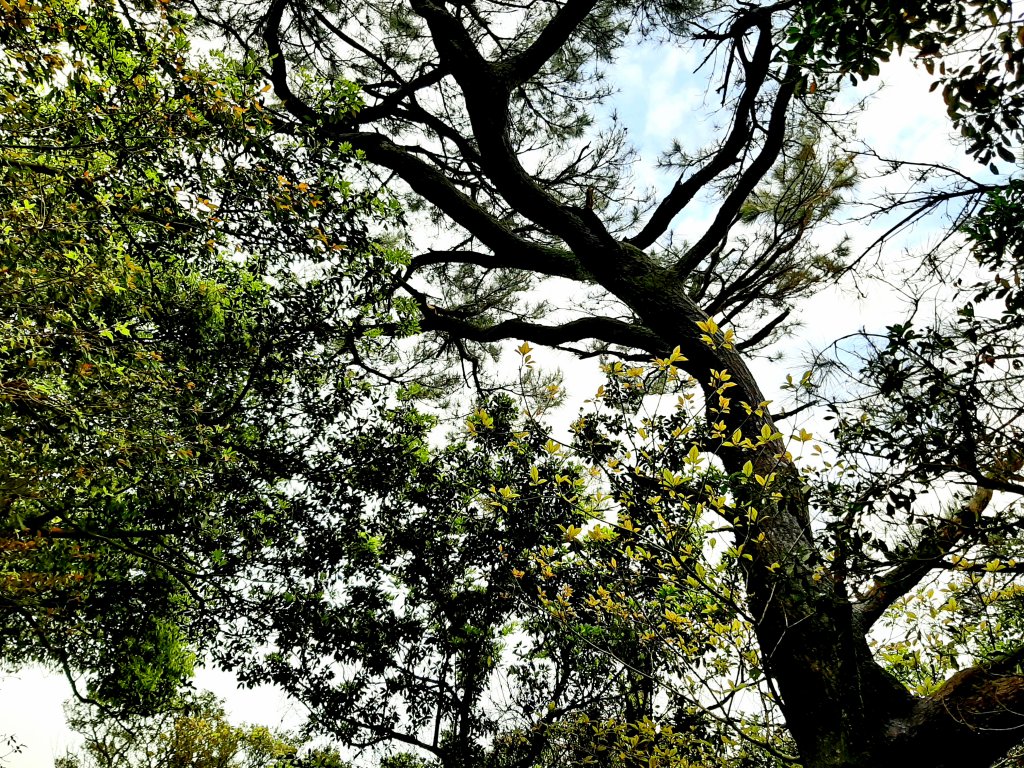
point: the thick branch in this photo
(728, 154)
(975, 718)
(385, 107)
(432, 185)
(555, 34)
(553, 264)
(728, 210)
(931, 548)
(279, 67)
(487, 91)
(451, 39)
(764, 333)
(598, 328)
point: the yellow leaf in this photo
(485, 419)
(693, 457)
(709, 326)
(670, 478)
(571, 532)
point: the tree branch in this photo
(279, 67)
(730, 151)
(765, 331)
(600, 328)
(931, 548)
(385, 107)
(554, 264)
(974, 718)
(487, 91)
(554, 35)
(433, 185)
(774, 139)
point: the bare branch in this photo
(749, 179)
(974, 718)
(279, 66)
(765, 331)
(540, 260)
(599, 328)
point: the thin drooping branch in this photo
(921, 206)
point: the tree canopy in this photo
(193, 732)
(679, 582)
(161, 348)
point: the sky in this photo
(658, 100)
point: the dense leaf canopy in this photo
(176, 286)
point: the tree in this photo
(194, 733)
(486, 114)
(165, 364)
(430, 617)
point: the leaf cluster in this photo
(171, 316)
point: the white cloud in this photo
(31, 710)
